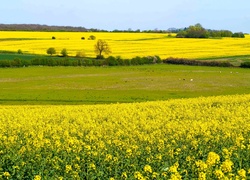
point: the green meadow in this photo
(121, 84)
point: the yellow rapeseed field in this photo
(126, 45)
(201, 138)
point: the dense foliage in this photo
(38, 27)
(110, 61)
(202, 138)
(184, 61)
(197, 31)
(245, 65)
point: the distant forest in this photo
(47, 28)
(38, 27)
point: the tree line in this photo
(112, 61)
(101, 47)
(38, 27)
(55, 61)
(193, 31)
(197, 31)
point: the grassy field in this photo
(93, 85)
(126, 45)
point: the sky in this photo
(134, 14)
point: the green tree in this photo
(64, 52)
(51, 51)
(19, 51)
(238, 35)
(101, 47)
(197, 31)
(194, 31)
(92, 37)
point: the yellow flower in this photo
(77, 167)
(219, 174)
(147, 169)
(37, 177)
(129, 152)
(164, 174)
(212, 158)
(188, 158)
(242, 173)
(174, 168)
(155, 175)
(108, 157)
(226, 153)
(92, 166)
(159, 157)
(6, 174)
(175, 176)
(202, 166)
(115, 159)
(226, 166)
(124, 175)
(148, 149)
(68, 168)
(138, 175)
(202, 176)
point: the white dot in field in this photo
(191, 79)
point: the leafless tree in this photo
(102, 47)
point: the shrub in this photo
(16, 62)
(64, 52)
(126, 62)
(245, 65)
(119, 60)
(92, 37)
(184, 61)
(88, 62)
(19, 51)
(51, 51)
(111, 61)
(136, 60)
(25, 62)
(158, 59)
(99, 57)
(4, 63)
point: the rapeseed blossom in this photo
(37, 177)
(202, 176)
(147, 169)
(242, 173)
(227, 166)
(219, 174)
(212, 158)
(126, 45)
(174, 139)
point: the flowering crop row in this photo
(126, 45)
(200, 138)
